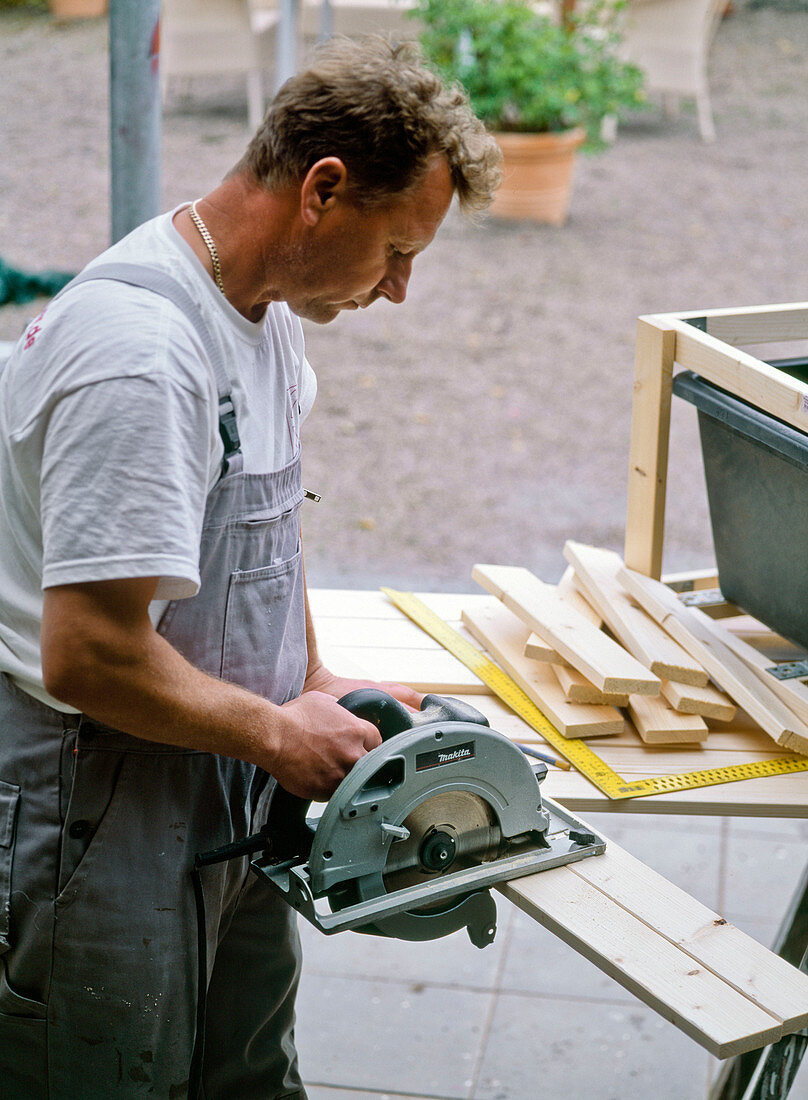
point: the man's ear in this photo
(325, 184)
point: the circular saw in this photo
(415, 835)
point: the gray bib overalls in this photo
(99, 973)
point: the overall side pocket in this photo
(9, 801)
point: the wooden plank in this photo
(793, 693)
(708, 701)
(575, 685)
(692, 580)
(626, 946)
(425, 670)
(600, 659)
(503, 635)
(753, 970)
(659, 724)
(578, 689)
(747, 325)
(357, 603)
(539, 650)
(597, 572)
(743, 375)
(648, 450)
(569, 591)
(725, 668)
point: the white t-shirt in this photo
(109, 435)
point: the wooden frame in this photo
(707, 343)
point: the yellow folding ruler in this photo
(577, 752)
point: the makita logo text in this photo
(424, 760)
(443, 757)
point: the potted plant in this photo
(542, 87)
(65, 10)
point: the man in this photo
(158, 659)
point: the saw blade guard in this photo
(468, 764)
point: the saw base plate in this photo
(566, 840)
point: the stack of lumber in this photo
(607, 644)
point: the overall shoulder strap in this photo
(160, 282)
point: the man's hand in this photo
(320, 679)
(322, 746)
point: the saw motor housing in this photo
(421, 827)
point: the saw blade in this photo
(449, 831)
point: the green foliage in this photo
(524, 72)
(31, 5)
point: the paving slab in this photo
(393, 1036)
(579, 1051)
(317, 1092)
(762, 874)
(537, 962)
(451, 961)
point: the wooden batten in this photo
(720, 987)
(565, 590)
(708, 701)
(658, 723)
(692, 580)
(745, 325)
(648, 451)
(539, 650)
(727, 670)
(597, 572)
(794, 693)
(503, 634)
(749, 378)
(578, 689)
(599, 658)
(569, 591)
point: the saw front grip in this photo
(391, 717)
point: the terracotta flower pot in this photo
(536, 175)
(63, 10)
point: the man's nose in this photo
(394, 284)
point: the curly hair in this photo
(374, 104)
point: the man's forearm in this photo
(101, 654)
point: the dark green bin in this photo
(756, 468)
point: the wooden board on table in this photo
(659, 724)
(600, 659)
(503, 635)
(708, 701)
(577, 689)
(362, 635)
(716, 984)
(597, 571)
(723, 665)
(568, 590)
(794, 693)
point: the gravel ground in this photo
(488, 418)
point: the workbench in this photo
(728, 993)
(717, 985)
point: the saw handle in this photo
(391, 717)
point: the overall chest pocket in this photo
(264, 644)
